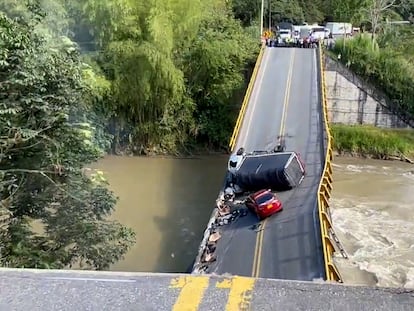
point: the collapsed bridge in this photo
(285, 98)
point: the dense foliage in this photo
(384, 55)
(385, 67)
(174, 65)
(44, 144)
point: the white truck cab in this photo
(236, 160)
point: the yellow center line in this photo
(240, 295)
(259, 238)
(255, 254)
(287, 95)
(192, 292)
(258, 250)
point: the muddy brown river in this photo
(168, 203)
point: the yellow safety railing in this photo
(246, 100)
(325, 188)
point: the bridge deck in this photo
(284, 101)
(44, 290)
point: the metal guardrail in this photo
(246, 99)
(325, 187)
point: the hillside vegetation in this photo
(364, 140)
(387, 67)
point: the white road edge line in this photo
(256, 96)
(90, 279)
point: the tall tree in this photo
(375, 13)
(246, 10)
(141, 42)
(313, 10)
(214, 66)
(42, 154)
(286, 10)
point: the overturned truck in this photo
(277, 171)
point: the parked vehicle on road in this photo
(338, 30)
(263, 203)
(320, 33)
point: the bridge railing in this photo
(246, 99)
(325, 185)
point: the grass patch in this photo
(371, 141)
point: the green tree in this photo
(286, 10)
(246, 10)
(313, 10)
(141, 42)
(345, 10)
(214, 67)
(43, 150)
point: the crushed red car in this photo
(264, 203)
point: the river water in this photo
(372, 211)
(168, 203)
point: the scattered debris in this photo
(228, 210)
(209, 256)
(214, 237)
(223, 208)
(406, 159)
(257, 227)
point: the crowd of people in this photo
(311, 40)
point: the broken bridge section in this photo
(44, 290)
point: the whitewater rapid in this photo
(372, 211)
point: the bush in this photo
(383, 67)
(369, 140)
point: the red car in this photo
(264, 203)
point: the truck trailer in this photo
(276, 170)
(338, 30)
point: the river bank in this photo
(372, 142)
(361, 141)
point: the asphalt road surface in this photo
(48, 290)
(284, 101)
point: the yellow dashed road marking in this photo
(240, 295)
(192, 292)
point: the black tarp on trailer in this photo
(277, 171)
